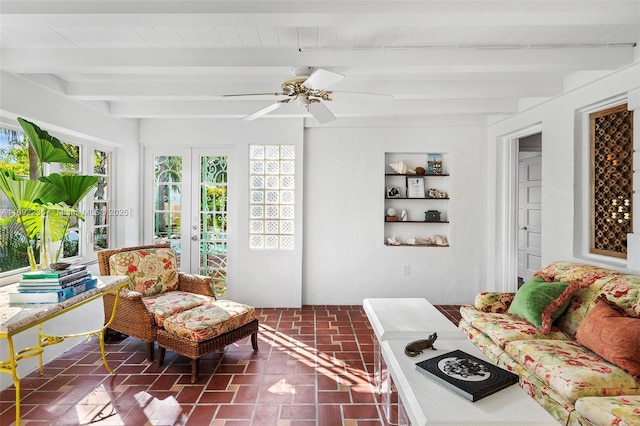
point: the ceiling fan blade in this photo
(321, 79)
(264, 111)
(321, 113)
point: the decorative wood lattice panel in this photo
(611, 180)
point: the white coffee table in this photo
(427, 402)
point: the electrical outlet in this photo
(406, 270)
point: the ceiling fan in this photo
(307, 88)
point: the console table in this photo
(398, 321)
(18, 318)
(401, 318)
(426, 402)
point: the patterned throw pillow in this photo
(152, 271)
(611, 334)
(541, 302)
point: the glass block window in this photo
(271, 197)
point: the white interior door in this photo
(529, 216)
(186, 206)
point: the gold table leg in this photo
(11, 366)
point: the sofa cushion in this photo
(612, 335)
(624, 291)
(583, 300)
(211, 320)
(497, 302)
(572, 370)
(152, 271)
(503, 328)
(564, 271)
(540, 302)
(164, 305)
(614, 410)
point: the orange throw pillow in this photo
(612, 335)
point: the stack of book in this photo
(53, 286)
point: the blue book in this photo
(52, 296)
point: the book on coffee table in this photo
(471, 377)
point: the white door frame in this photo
(507, 217)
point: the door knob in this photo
(194, 238)
(524, 228)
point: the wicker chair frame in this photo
(194, 350)
(132, 317)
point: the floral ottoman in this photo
(205, 329)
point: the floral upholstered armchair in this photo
(156, 290)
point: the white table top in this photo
(413, 318)
(430, 403)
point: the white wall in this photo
(565, 143)
(345, 259)
(262, 278)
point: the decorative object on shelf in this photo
(412, 241)
(393, 192)
(432, 216)
(420, 171)
(436, 240)
(401, 168)
(403, 215)
(434, 193)
(415, 187)
(392, 215)
(434, 164)
(393, 241)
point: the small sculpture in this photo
(434, 193)
(401, 168)
(420, 170)
(403, 215)
(416, 347)
(436, 240)
(412, 241)
(393, 241)
(392, 212)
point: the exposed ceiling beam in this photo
(221, 109)
(305, 13)
(407, 89)
(176, 60)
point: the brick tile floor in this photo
(314, 367)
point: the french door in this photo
(186, 205)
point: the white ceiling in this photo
(147, 58)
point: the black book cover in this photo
(471, 377)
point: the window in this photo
(271, 196)
(101, 200)
(611, 180)
(14, 157)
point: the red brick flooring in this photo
(314, 367)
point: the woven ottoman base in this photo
(194, 349)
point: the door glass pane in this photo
(213, 221)
(167, 193)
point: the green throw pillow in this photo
(540, 302)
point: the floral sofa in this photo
(572, 334)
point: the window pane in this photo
(271, 196)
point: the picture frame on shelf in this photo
(415, 187)
(393, 192)
(434, 164)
